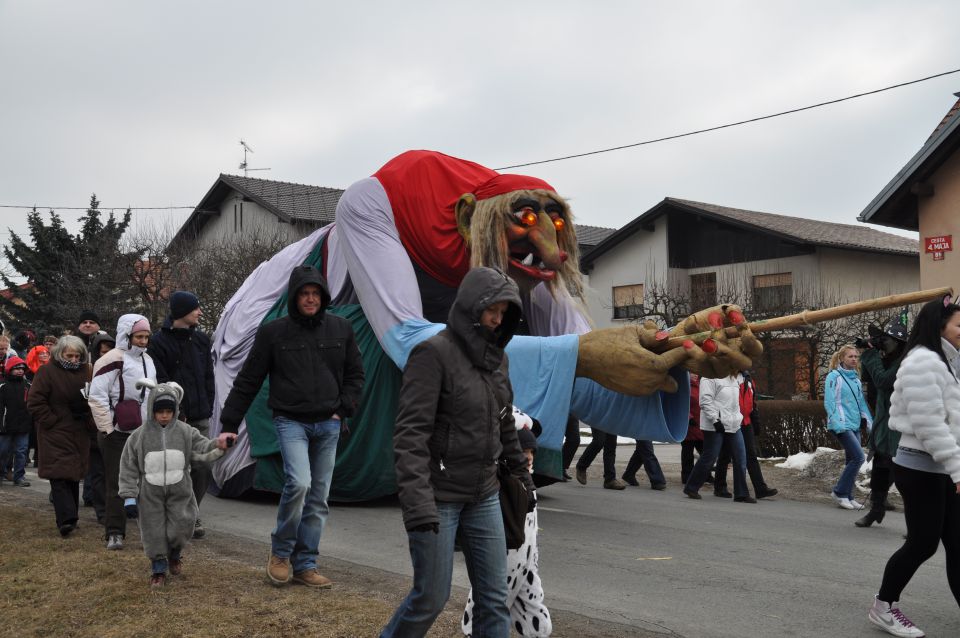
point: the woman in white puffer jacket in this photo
(115, 377)
(925, 408)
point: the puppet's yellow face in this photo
(533, 233)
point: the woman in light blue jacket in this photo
(846, 411)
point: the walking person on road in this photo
(181, 352)
(600, 440)
(316, 380)
(454, 425)
(751, 423)
(644, 456)
(720, 420)
(925, 409)
(847, 413)
(118, 409)
(63, 421)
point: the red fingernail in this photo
(715, 319)
(736, 318)
(688, 344)
(663, 334)
(709, 346)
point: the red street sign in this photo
(938, 244)
(938, 256)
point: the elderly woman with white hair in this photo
(64, 424)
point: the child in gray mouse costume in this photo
(155, 477)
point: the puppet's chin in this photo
(519, 270)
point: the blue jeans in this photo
(309, 451)
(484, 547)
(712, 443)
(644, 455)
(850, 441)
(17, 445)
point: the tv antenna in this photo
(243, 165)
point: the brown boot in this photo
(614, 484)
(312, 578)
(278, 570)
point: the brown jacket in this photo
(63, 421)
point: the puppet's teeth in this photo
(528, 260)
(542, 266)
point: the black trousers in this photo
(200, 472)
(753, 465)
(932, 512)
(65, 495)
(881, 478)
(111, 446)
(571, 440)
(686, 457)
(601, 441)
(93, 482)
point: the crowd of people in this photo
(128, 417)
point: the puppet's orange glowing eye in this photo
(559, 224)
(528, 217)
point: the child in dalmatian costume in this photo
(155, 477)
(528, 612)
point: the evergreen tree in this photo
(66, 273)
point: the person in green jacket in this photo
(880, 362)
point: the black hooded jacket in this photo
(455, 416)
(183, 355)
(314, 363)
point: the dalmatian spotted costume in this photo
(528, 612)
(155, 470)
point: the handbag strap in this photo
(852, 391)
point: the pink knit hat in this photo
(140, 326)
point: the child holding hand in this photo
(155, 477)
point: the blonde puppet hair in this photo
(489, 246)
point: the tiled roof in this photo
(298, 202)
(813, 231)
(946, 118)
(592, 235)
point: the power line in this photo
(99, 208)
(546, 161)
(723, 126)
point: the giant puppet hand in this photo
(636, 359)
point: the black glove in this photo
(718, 427)
(132, 511)
(531, 501)
(427, 527)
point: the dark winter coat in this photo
(14, 416)
(183, 355)
(63, 421)
(455, 416)
(314, 363)
(881, 374)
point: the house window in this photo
(628, 301)
(703, 290)
(772, 293)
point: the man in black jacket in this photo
(316, 380)
(181, 353)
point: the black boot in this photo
(876, 513)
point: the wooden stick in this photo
(810, 317)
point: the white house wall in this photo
(639, 258)
(851, 275)
(220, 227)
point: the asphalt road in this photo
(658, 562)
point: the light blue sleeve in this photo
(401, 339)
(129, 501)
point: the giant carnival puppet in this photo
(402, 241)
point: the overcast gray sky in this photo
(144, 103)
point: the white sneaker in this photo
(857, 505)
(889, 618)
(115, 541)
(842, 501)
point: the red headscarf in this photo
(423, 188)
